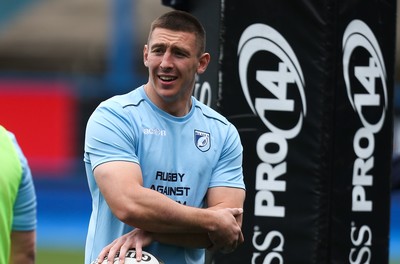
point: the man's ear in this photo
(145, 54)
(203, 63)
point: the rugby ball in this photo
(130, 258)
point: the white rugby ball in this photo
(130, 258)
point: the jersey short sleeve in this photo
(228, 171)
(25, 204)
(109, 135)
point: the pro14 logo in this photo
(260, 37)
(365, 78)
(367, 94)
(282, 95)
(371, 75)
(277, 97)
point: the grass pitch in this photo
(59, 256)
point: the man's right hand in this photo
(227, 234)
(136, 239)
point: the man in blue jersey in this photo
(17, 204)
(164, 170)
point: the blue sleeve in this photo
(25, 203)
(229, 170)
(109, 135)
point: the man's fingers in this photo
(138, 251)
(230, 248)
(101, 256)
(240, 210)
(103, 253)
(241, 238)
(115, 248)
(111, 254)
(233, 246)
(122, 253)
(236, 211)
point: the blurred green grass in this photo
(59, 256)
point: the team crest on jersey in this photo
(202, 140)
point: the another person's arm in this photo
(23, 235)
(23, 247)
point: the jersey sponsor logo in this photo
(154, 131)
(202, 140)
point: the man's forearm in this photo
(194, 240)
(23, 246)
(145, 208)
(163, 215)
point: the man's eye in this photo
(180, 54)
(157, 51)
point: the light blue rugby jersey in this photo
(180, 157)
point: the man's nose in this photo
(166, 62)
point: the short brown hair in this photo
(178, 20)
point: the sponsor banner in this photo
(276, 90)
(307, 119)
(363, 144)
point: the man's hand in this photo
(137, 239)
(228, 234)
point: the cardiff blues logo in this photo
(202, 140)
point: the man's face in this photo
(172, 58)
